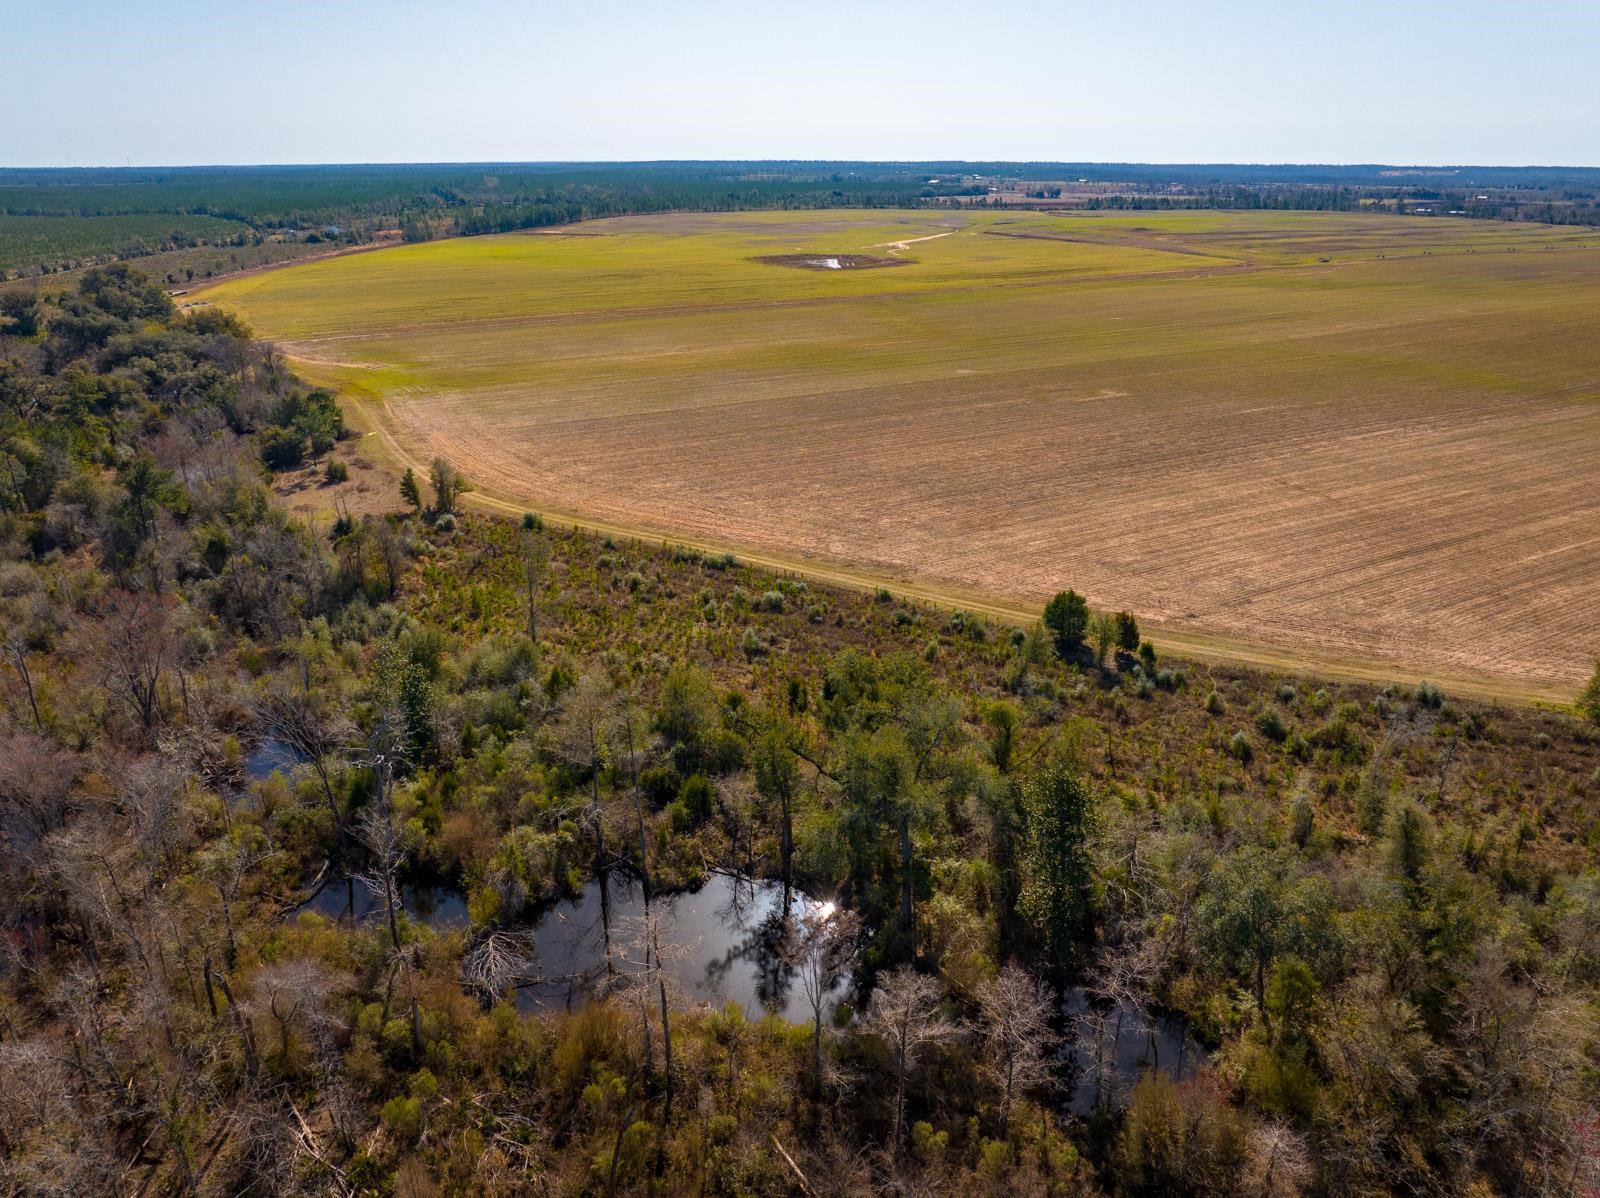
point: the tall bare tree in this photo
(905, 1014)
(375, 829)
(820, 946)
(1018, 1039)
(136, 648)
(1277, 1163)
(296, 992)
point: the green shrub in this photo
(964, 623)
(1271, 725)
(423, 1085)
(336, 471)
(996, 1158)
(281, 448)
(927, 1145)
(1301, 818)
(696, 796)
(659, 784)
(1240, 748)
(402, 1118)
(1127, 628)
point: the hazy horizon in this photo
(1033, 160)
(155, 83)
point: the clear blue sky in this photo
(108, 82)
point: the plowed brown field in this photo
(1390, 456)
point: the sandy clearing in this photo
(894, 246)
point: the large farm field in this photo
(1338, 439)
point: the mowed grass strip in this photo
(1389, 456)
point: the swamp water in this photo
(1109, 1048)
(719, 944)
(442, 908)
(271, 756)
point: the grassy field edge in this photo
(388, 447)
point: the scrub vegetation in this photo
(1376, 908)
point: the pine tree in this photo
(409, 491)
(1067, 615)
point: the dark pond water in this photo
(719, 943)
(721, 946)
(267, 758)
(1110, 1048)
(346, 899)
(271, 756)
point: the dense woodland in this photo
(1377, 908)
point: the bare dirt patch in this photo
(368, 491)
(830, 261)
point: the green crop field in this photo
(1339, 437)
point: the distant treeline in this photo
(87, 209)
(1222, 175)
(1568, 209)
(583, 201)
(1306, 199)
(301, 196)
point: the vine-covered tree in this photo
(1056, 892)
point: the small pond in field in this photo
(1110, 1047)
(719, 943)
